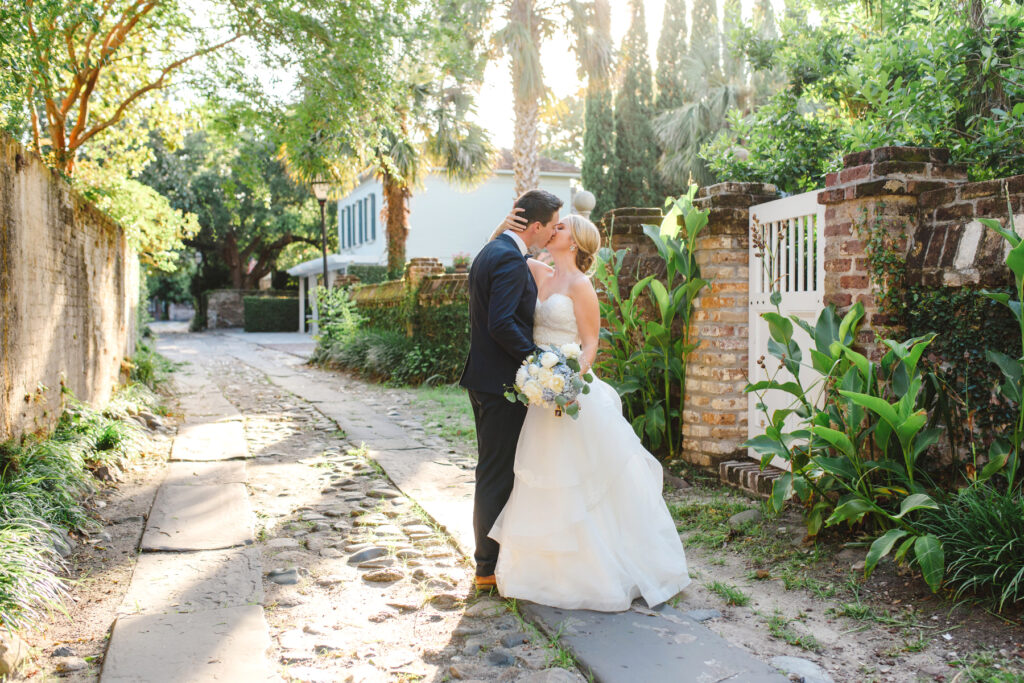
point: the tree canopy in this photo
(929, 73)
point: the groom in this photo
(502, 298)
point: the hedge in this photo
(437, 315)
(369, 274)
(271, 314)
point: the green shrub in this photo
(387, 356)
(372, 341)
(980, 530)
(271, 314)
(369, 274)
(339, 316)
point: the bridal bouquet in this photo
(550, 377)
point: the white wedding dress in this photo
(586, 526)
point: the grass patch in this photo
(779, 627)
(448, 413)
(43, 483)
(730, 593)
(710, 519)
(987, 667)
(558, 656)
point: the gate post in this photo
(715, 411)
(874, 198)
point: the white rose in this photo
(571, 350)
(548, 359)
(556, 384)
(544, 375)
(533, 391)
(521, 376)
(534, 370)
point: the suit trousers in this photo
(498, 423)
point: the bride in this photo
(586, 526)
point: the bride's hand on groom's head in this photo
(514, 221)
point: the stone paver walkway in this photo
(192, 611)
(638, 645)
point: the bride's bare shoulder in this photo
(582, 288)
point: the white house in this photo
(443, 218)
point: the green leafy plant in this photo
(730, 593)
(1005, 451)
(855, 453)
(648, 331)
(339, 316)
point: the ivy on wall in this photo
(967, 324)
(886, 264)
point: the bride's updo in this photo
(587, 238)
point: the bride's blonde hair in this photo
(587, 238)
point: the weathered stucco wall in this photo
(69, 287)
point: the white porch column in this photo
(302, 305)
(312, 300)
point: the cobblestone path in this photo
(273, 532)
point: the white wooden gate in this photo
(789, 259)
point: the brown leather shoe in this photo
(486, 582)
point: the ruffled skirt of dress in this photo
(586, 526)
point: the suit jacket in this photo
(502, 299)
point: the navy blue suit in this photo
(502, 300)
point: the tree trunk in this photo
(396, 207)
(525, 155)
(233, 260)
(977, 15)
(528, 89)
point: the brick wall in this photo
(226, 307)
(877, 189)
(69, 288)
(950, 247)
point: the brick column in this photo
(878, 187)
(342, 281)
(419, 268)
(715, 414)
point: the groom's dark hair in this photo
(537, 205)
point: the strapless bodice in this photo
(554, 321)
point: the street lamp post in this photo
(320, 187)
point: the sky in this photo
(494, 103)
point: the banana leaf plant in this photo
(1005, 451)
(648, 333)
(855, 453)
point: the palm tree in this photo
(521, 37)
(434, 134)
